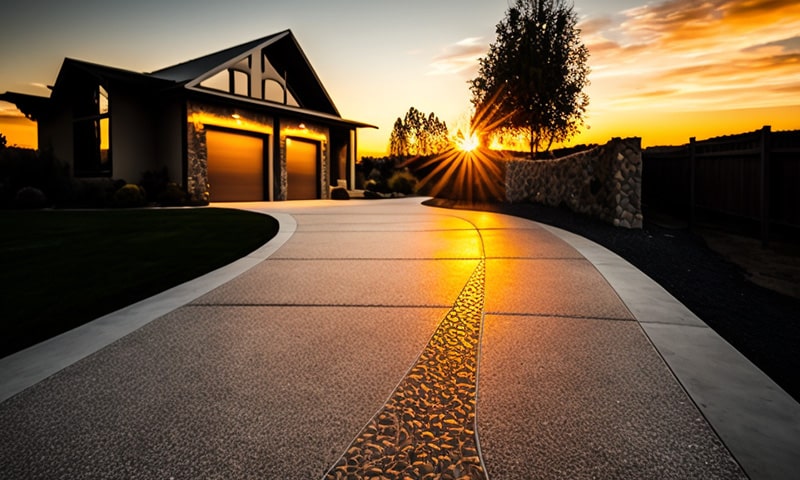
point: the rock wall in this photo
(605, 182)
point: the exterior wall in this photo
(169, 141)
(132, 141)
(309, 131)
(605, 182)
(55, 134)
(198, 116)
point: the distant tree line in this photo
(418, 134)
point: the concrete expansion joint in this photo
(318, 305)
(427, 427)
(371, 259)
(561, 315)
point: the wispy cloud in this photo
(459, 57)
(688, 55)
(787, 45)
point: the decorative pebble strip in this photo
(426, 429)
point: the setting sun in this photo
(468, 143)
(662, 70)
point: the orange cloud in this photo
(683, 55)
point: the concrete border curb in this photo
(755, 418)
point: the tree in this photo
(417, 134)
(398, 141)
(3, 141)
(531, 81)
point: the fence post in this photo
(691, 180)
(765, 150)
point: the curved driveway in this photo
(385, 337)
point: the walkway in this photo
(387, 338)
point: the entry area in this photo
(235, 166)
(302, 160)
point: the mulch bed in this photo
(762, 324)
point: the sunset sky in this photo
(661, 70)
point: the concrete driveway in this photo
(386, 339)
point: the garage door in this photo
(235, 167)
(301, 168)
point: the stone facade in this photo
(200, 115)
(605, 182)
(197, 164)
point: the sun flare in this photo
(468, 143)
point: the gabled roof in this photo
(76, 72)
(282, 51)
(33, 106)
(72, 68)
(193, 69)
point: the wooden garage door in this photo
(301, 168)
(235, 167)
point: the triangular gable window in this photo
(262, 82)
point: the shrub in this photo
(172, 195)
(23, 167)
(155, 183)
(129, 196)
(403, 182)
(371, 185)
(30, 198)
(340, 193)
(92, 192)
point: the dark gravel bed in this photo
(762, 324)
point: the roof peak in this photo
(191, 69)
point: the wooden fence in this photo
(752, 177)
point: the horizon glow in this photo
(663, 71)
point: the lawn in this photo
(60, 269)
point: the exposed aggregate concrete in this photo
(427, 428)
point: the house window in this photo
(273, 91)
(241, 83)
(91, 133)
(220, 81)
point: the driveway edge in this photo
(753, 416)
(27, 367)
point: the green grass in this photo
(60, 269)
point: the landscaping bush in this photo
(129, 196)
(376, 180)
(154, 183)
(30, 198)
(371, 185)
(340, 193)
(91, 192)
(403, 182)
(24, 167)
(172, 195)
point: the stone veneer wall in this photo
(605, 182)
(197, 163)
(197, 149)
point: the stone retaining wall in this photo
(605, 182)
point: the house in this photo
(252, 122)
